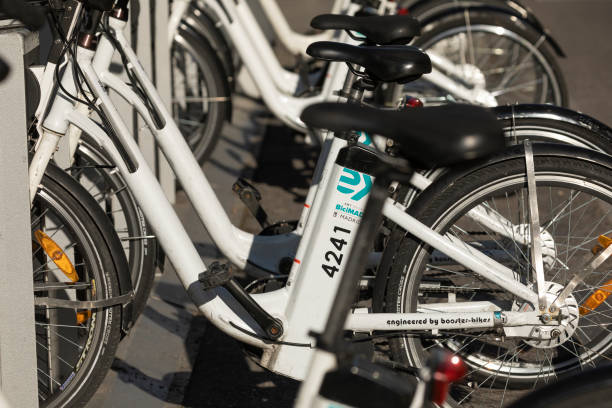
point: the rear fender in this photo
(555, 113)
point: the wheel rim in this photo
(528, 79)
(64, 346)
(544, 365)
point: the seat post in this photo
(348, 85)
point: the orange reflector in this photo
(82, 317)
(596, 299)
(57, 255)
(601, 294)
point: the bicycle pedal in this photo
(217, 274)
(250, 196)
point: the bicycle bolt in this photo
(274, 330)
(542, 307)
(552, 309)
(546, 318)
(555, 333)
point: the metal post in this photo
(152, 49)
(17, 339)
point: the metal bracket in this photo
(84, 304)
(534, 218)
(579, 276)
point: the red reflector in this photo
(451, 369)
(402, 11)
(413, 103)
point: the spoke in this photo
(49, 377)
(506, 78)
(60, 325)
(58, 357)
(506, 90)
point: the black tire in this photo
(74, 350)
(443, 206)
(590, 388)
(200, 119)
(519, 34)
(96, 171)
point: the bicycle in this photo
(260, 319)
(420, 289)
(209, 87)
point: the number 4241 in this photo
(334, 259)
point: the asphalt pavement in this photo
(173, 356)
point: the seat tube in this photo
(314, 279)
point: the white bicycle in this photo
(278, 322)
(500, 59)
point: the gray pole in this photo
(17, 339)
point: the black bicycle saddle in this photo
(390, 63)
(382, 30)
(428, 137)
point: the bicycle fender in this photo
(113, 243)
(204, 25)
(508, 7)
(535, 111)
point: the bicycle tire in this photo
(516, 32)
(208, 91)
(443, 206)
(590, 388)
(93, 168)
(75, 222)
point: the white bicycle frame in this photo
(304, 303)
(275, 83)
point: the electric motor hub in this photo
(567, 317)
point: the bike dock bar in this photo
(18, 47)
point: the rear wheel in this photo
(72, 261)
(575, 204)
(102, 180)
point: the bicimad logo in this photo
(350, 183)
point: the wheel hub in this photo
(549, 336)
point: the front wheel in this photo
(72, 261)
(575, 205)
(200, 92)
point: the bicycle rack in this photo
(19, 48)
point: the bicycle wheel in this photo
(575, 204)
(590, 388)
(72, 261)
(95, 171)
(505, 56)
(200, 94)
